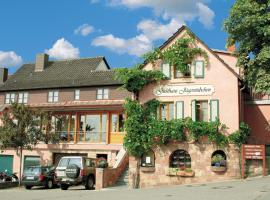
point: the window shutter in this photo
(179, 109)
(193, 110)
(199, 69)
(214, 110)
(166, 69)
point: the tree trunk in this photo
(137, 176)
(20, 170)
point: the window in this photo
(93, 128)
(23, 97)
(218, 159)
(199, 110)
(214, 110)
(103, 94)
(10, 98)
(202, 111)
(166, 111)
(187, 73)
(199, 69)
(148, 159)
(180, 159)
(117, 123)
(166, 69)
(77, 95)
(63, 126)
(53, 96)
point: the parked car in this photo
(39, 176)
(76, 170)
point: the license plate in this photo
(61, 173)
(30, 177)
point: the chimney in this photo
(41, 62)
(231, 48)
(3, 75)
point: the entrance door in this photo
(6, 163)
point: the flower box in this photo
(181, 173)
(147, 169)
(218, 168)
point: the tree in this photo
(21, 129)
(248, 26)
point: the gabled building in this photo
(86, 103)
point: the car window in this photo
(90, 163)
(31, 171)
(63, 162)
(76, 161)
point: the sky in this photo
(120, 30)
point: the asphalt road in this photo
(250, 189)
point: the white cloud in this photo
(84, 30)
(174, 12)
(180, 10)
(155, 31)
(9, 59)
(94, 1)
(62, 49)
(133, 46)
(206, 15)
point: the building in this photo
(86, 102)
(205, 93)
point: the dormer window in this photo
(77, 95)
(23, 97)
(166, 69)
(10, 98)
(102, 93)
(53, 96)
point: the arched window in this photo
(148, 159)
(180, 159)
(218, 159)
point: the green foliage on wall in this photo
(134, 79)
(145, 130)
(180, 54)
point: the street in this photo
(249, 189)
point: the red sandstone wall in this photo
(257, 117)
(200, 164)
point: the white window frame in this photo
(53, 96)
(23, 97)
(9, 98)
(77, 94)
(102, 93)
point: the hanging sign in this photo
(184, 90)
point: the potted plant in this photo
(102, 163)
(218, 163)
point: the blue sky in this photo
(120, 30)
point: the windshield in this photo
(32, 171)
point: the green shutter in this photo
(214, 110)
(179, 109)
(31, 161)
(166, 69)
(199, 69)
(193, 110)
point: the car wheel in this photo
(49, 184)
(64, 186)
(28, 187)
(89, 185)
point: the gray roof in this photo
(61, 74)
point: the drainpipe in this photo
(240, 104)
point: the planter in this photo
(147, 169)
(218, 168)
(181, 173)
(186, 174)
